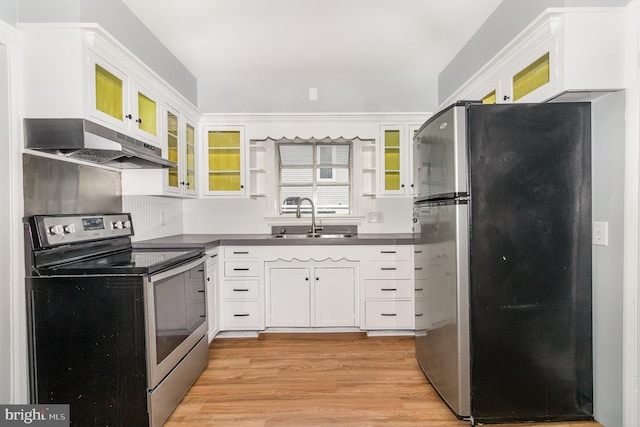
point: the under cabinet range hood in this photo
(82, 139)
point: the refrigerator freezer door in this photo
(442, 339)
(530, 254)
(440, 156)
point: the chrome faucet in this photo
(314, 227)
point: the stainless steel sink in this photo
(311, 236)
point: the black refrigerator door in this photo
(530, 262)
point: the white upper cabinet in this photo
(225, 161)
(84, 72)
(180, 143)
(563, 55)
(119, 101)
(395, 160)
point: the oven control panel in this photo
(63, 229)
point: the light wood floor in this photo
(309, 380)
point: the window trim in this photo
(315, 170)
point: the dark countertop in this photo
(208, 241)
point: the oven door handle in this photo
(174, 271)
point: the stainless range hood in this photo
(84, 140)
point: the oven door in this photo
(176, 316)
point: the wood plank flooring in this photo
(313, 380)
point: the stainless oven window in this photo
(180, 309)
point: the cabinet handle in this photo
(201, 270)
(419, 315)
(419, 251)
(418, 268)
(201, 292)
(387, 252)
(241, 315)
(128, 116)
(203, 315)
(213, 256)
(240, 269)
(240, 290)
(388, 314)
(241, 253)
(387, 268)
(208, 279)
(388, 289)
(419, 289)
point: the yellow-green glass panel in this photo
(147, 114)
(224, 181)
(109, 93)
(191, 157)
(392, 180)
(392, 160)
(172, 147)
(224, 159)
(224, 139)
(489, 98)
(392, 138)
(531, 78)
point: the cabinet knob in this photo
(401, 185)
(241, 186)
(128, 116)
(139, 121)
(506, 98)
(317, 278)
(306, 278)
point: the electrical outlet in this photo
(375, 217)
(600, 233)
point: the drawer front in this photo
(241, 252)
(241, 289)
(423, 321)
(242, 315)
(421, 288)
(387, 270)
(241, 268)
(389, 314)
(387, 252)
(389, 289)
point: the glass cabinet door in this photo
(225, 160)
(532, 77)
(392, 160)
(109, 93)
(147, 114)
(173, 153)
(190, 159)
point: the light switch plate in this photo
(600, 233)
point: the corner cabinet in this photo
(564, 54)
(225, 151)
(180, 140)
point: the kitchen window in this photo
(320, 171)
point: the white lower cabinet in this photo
(212, 270)
(389, 288)
(311, 294)
(241, 287)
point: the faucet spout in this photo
(314, 227)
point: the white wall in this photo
(608, 152)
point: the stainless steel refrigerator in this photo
(503, 257)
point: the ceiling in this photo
(216, 39)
